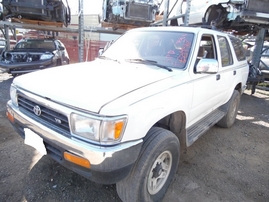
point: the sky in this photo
(95, 7)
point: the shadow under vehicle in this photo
(34, 54)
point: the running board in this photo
(195, 131)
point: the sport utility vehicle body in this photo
(125, 117)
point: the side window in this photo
(225, 52)
(239, 50)
(207, 47)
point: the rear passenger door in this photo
(227, 71)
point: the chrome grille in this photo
(50, 118)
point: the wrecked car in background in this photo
(34, 54)
(240, 15)
(134, 12)
(44, 10)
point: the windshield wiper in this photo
(152, 62)
(107, 58)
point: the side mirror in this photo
(209, 66)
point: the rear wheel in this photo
(154, 169)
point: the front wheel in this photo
(153, 170)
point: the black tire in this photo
(228, 120)
(157, 163)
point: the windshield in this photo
(171, 49)
(32, 44)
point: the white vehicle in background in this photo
(244, 16)
(239, 15)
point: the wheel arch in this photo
(239, 88)
(212, 8)
(176, 123)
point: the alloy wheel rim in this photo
(159, 172)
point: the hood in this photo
(91, 85)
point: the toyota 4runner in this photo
(123, 117)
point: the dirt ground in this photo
(223, 165)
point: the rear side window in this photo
(239, 50)
(225, 51)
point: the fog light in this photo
(77, 160)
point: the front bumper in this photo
(26, 67)
(109, 164)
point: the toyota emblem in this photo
(37, 110)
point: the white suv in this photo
(124, 117)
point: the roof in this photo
(174, 28)
(38, 39)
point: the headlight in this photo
(104, 130)
(46, 56)
(13, 94)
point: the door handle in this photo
(234, 73)
(218, 77)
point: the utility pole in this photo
(80, 31)
(258, 48)
(7, 37)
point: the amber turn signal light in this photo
(77, 160)
(10, 116)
